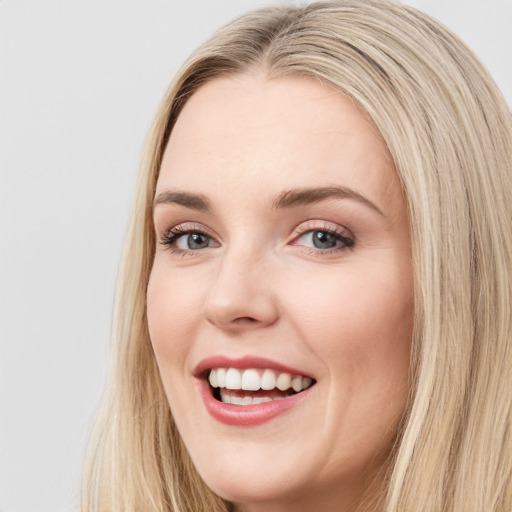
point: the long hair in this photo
(449, 132)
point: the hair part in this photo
(449, 132)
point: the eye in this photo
(192, 241)
(323, 240)
(183, 239)
(320, 239)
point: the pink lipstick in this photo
(250, 390)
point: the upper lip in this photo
(244, 363)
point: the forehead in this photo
(248, 132)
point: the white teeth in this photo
(233, 379)
(284, 381)
(297, 383)
(246, 400)
(251, 380)
(261, 399)
(268, 380)
(221, 377)
(254, 380)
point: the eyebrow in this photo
(187, 199)
(305, 196)
(286, 199)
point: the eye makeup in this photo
(190, 238)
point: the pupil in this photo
(323, 240)
(197, 241)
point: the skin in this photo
(262, 288)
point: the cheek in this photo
(361, 306)
(359, 322)
(173, 311)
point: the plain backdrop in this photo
(79, 83)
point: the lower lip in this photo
(247, 415)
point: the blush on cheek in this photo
(173, 307)
(163, 325)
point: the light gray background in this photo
(79, 84)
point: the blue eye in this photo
(324, 240)
(192, 241)
(185, 240)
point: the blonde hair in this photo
(449, 132)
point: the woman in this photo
(313, 310)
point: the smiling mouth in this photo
(255, 386)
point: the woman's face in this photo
(283, 259)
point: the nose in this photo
(241, 295)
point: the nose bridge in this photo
(240, 291)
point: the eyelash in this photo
(171, 236)
(341, 235)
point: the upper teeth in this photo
(253, 380)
